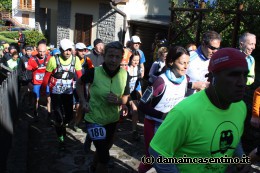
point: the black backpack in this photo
(59, 73)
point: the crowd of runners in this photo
(192, 100)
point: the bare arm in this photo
(142, 66)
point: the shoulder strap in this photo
(44, 62)
(59, 68)
(73, 62)
(37, 61)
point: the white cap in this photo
(66, 44)
(135, 39)
(81, 46)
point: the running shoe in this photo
(61, 143)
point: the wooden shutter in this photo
(25, 19)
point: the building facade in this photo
(23, 12)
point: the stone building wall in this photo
(106, 23)
(63, 22)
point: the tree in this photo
(217, 19)
(6, 5)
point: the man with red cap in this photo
(209, 124)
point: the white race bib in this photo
(96, 131)
(39, 76)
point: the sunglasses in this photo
(81, 50)
(213, 48)
(68, 49)
(123, 64)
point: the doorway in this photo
(83, 28)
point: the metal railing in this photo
(9, 100)
(8, 111)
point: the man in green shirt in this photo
(207, 126)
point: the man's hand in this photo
(124, 110)
(112, 98)
(199, 85)
(30, 86)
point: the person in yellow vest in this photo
(109, 89)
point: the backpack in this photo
(38, 63)
(59, 73)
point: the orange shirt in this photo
(256, 103)
(89, 62)
(127, 54)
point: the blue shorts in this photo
(36, 90)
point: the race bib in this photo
(96, 131)
(39, 76)
(63, 88)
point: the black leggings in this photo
(62, 107)
(103, 146)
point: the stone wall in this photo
(63, 22)
(106, 23)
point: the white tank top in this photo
(173, 94)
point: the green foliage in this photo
(217, 20)
(6, 5)
(32, 37)
(8, 40)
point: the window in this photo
(25, 4)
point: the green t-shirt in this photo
(101, 111)
(196, 128)
(52, 63)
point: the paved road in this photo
(45, 156)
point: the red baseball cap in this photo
(227, 58)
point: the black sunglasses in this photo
(213, 48)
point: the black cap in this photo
(2, 42)
(28, 48)
(11, 47)
(97, 41)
